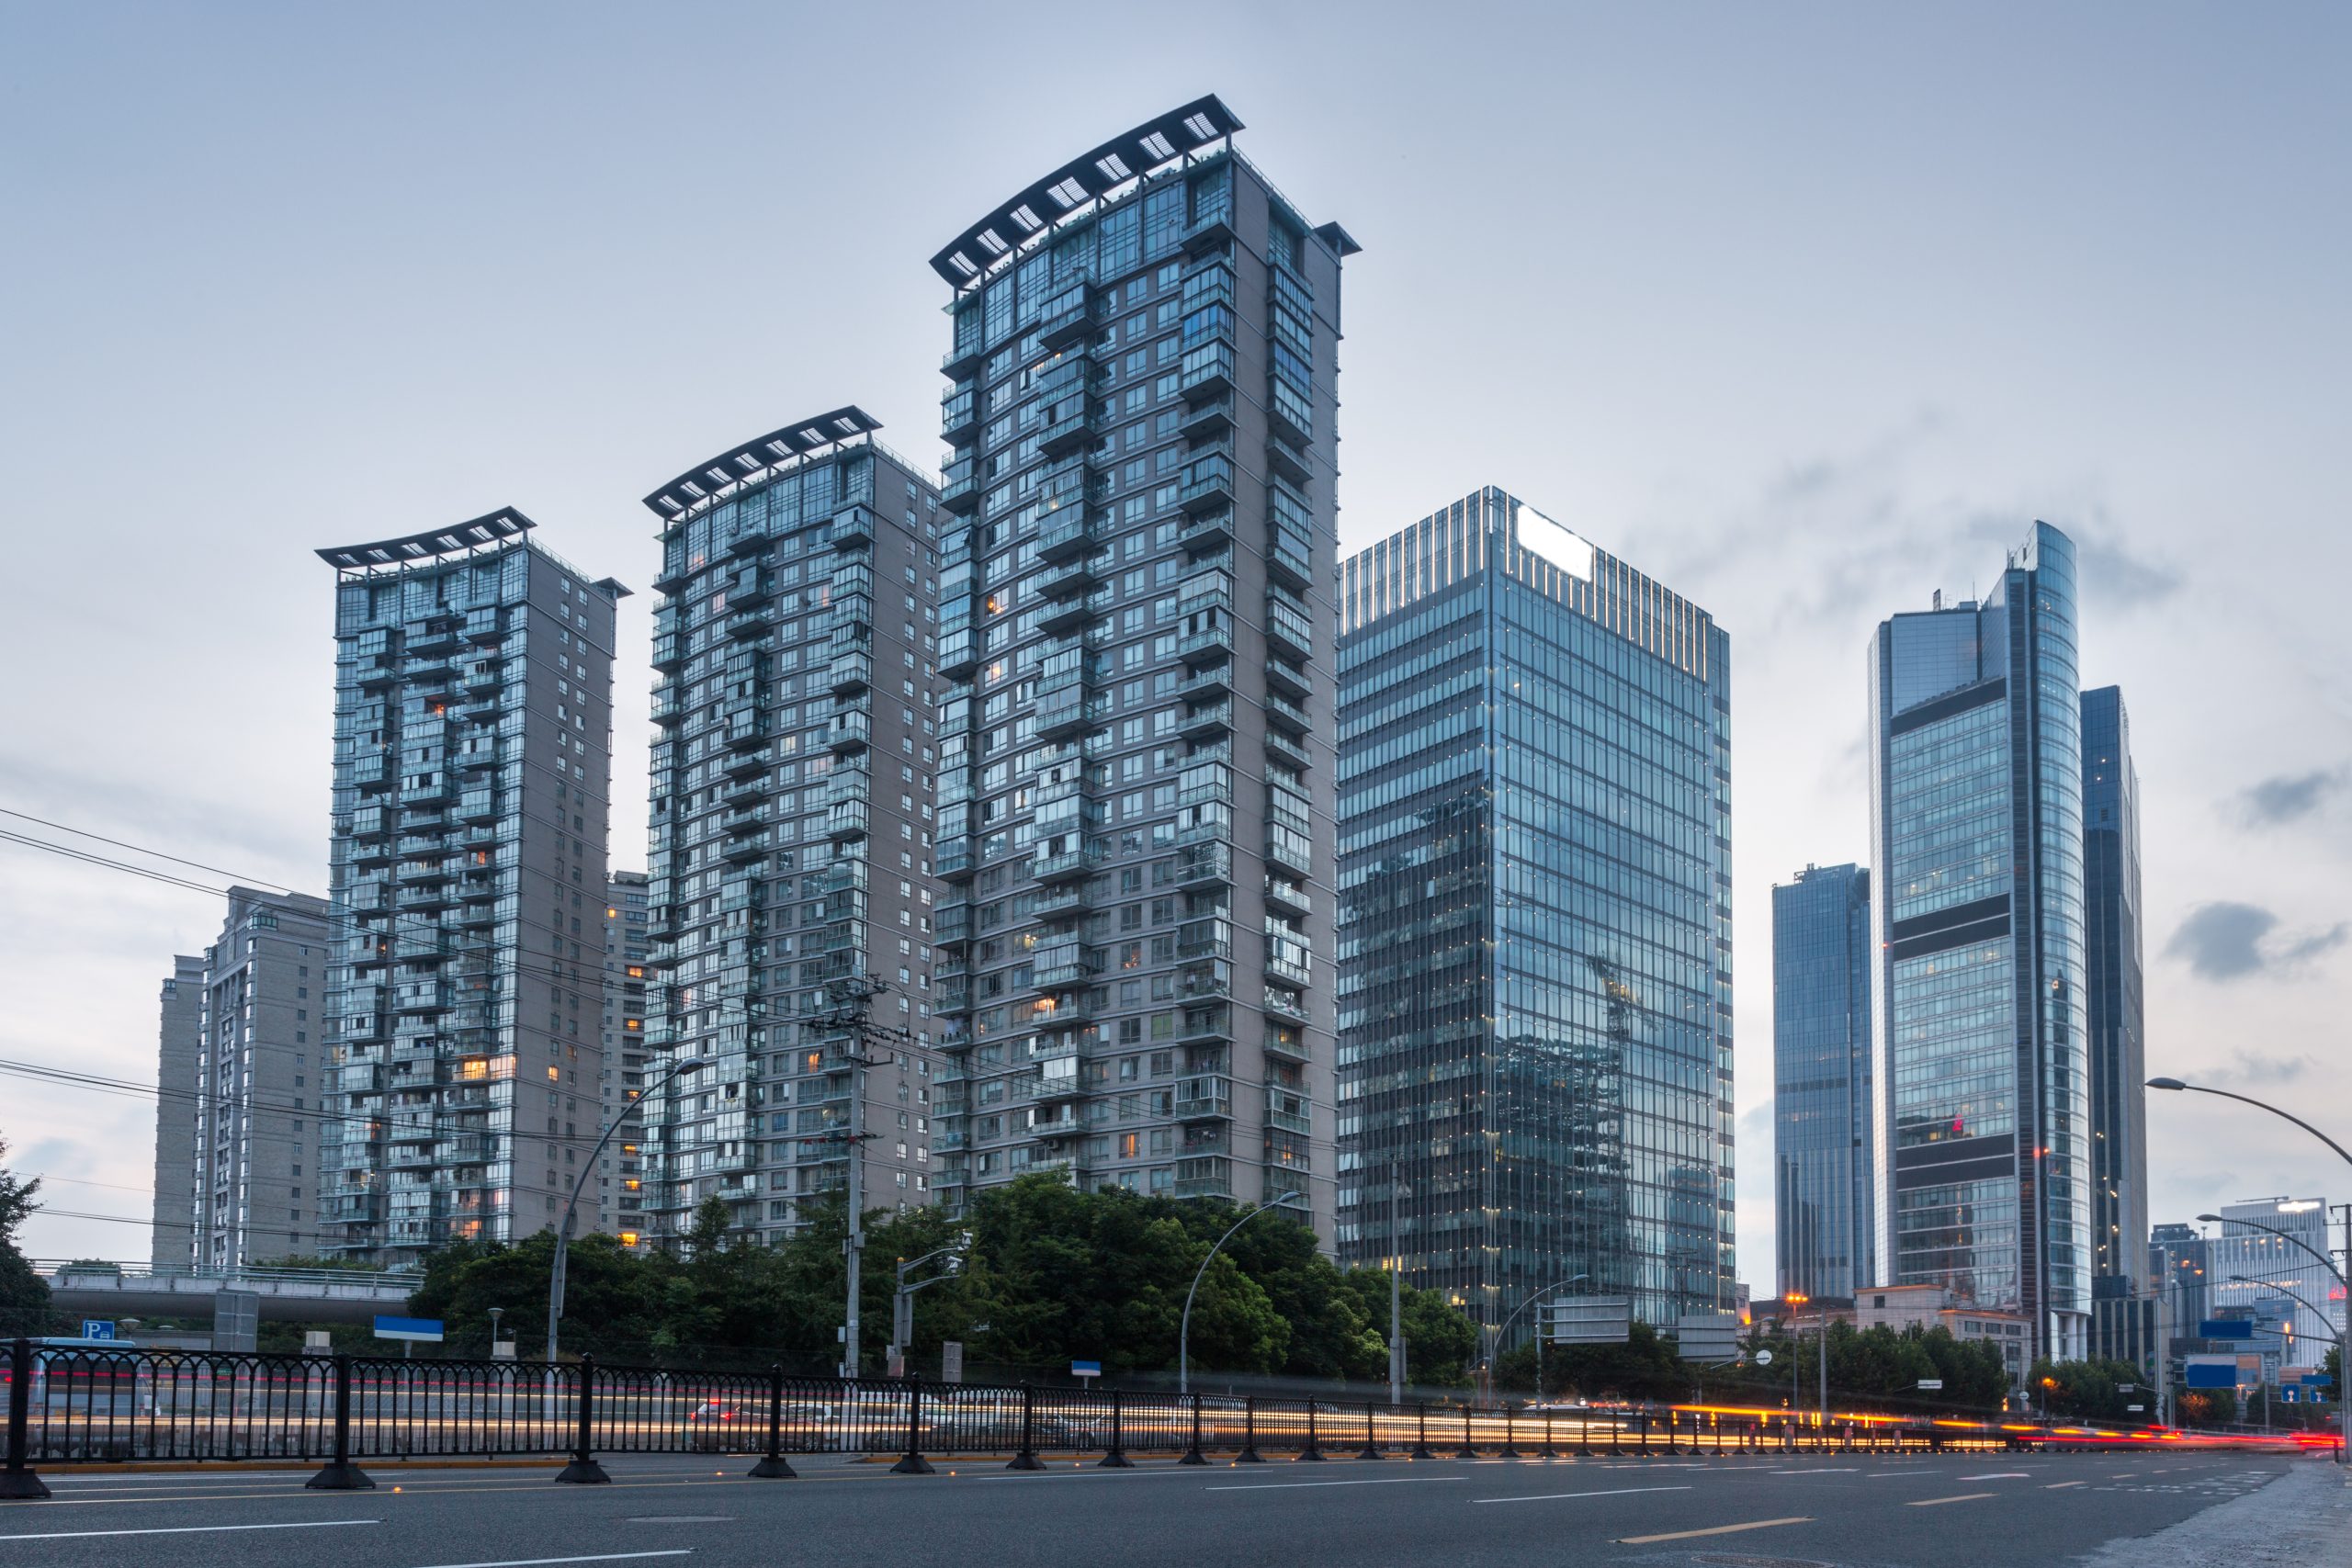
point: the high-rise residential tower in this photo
(178, 1031)
(1822, 960)
(1135, 778)
(2177, 1268)
(791, 845)
(1534, 904)
(620, 1182)
(1982, 1158)
(2121, 1308)
(259, 1068)
(474, 732)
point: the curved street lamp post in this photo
(563, 1230)
(1184, 1330)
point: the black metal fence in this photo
(79, 1405)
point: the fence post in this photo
(1193, 1455)
(1115, 1456)
(1547, 1450)
(1643, 1430)
(1469, 1450)
(1025, 1457)
(1583, 1434)
(1422, 1431)
(1249, 1454)
(912, 1462)
(339, 1474)
(1370, 1432)
(17, 1483)
(583, 1469)
(1511, 1446)
(772, 1465)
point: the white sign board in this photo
(1708, 1336)
(1933, 1385)
(1590, 1320)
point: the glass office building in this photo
(620, 1176)
(789, 858)
(473, 736)
(2119, 1293)
(1534, 892)
(1135, 785)
(1821, 1082)
(1983, 1162)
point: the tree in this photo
(24, 1296)
(2083, 1391)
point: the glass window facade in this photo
(1982, 1163)
(1535, 920)
(1821, 1082)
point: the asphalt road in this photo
(1853, 1511)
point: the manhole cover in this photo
(681, 1518)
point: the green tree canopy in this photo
(24, 1296)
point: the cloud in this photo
(2114, 578)
(2276, 801)
(2225, 942)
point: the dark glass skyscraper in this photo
(1135, 778)
(1535, 893)
(1820, 1081)
(1982, 1158)
(2118, 1045)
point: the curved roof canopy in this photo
(707, 480)
(490, 528)
(1116, 163)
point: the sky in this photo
(1806, 310)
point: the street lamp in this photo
(903, 1300)
(1495, 1341)
(2343, 1437)
(1184, 1329)
(563, 1231)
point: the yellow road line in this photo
(1716, 1529)
(1936, 1502)
(2061, 1485)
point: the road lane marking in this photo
(1938, 1502)
(1717, 1530)
(599, 1557)
(1556, 1496)
(1999, 1476)
(192, 1529)
(1293, 1485)
(2061, 1485)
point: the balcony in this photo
(953, 857)
(1215, 683)
(1069, 712)
(958, 414)
(1280, 708)
(746, 624)
(1290, 849)
(1291, 462)
(1207, 372)
(1068, 317)
(966, 356)
(1210, 231)
(1289, 897)
(853, 529)
(1210, 643)
(1067, 434)
(1072, 615)
(1054, 969)
(1056, 903)
(1207, 531)
(1208, 485)
(960, 496)
(1288, 679)
(1287, 566)
(849, 731)
(1284, 749)
(1203, 1098)
(1061, 1122)
(1064, 866)
(1210, 417)
(1281, 1003)
(1068, 536)
(1206, 723)
(851, 673)
(846, 820)
(1288, 629)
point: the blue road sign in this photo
(423, 1329)
(97, 1328)
(2202, 1376)
(1086, 1369)
(2225, 1328)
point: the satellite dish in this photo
(1763, 1357)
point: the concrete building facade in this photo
(179, 1032)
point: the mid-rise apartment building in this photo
(620, 1180)
(259, 1073)
(1982, 1158)
(1534, 906)
(1136, 769)
(473, 719)
(789, 869)
(1822, 960)
(179, 1025)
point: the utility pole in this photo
(852, 998)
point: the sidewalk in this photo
(2302, 1520)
